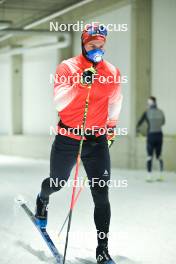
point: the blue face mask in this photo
(95, 55)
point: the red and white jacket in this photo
(69, 97)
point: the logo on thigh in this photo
(106, 173)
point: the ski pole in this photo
(76, 198)
(76, 171)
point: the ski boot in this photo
(149, 177)
(102, 255)
(41, 212)
(160, 178)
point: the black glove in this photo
(110, 136)
(88, 76)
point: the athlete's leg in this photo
(62, 159)
(96, 162)
(158, 150)
(150, 149)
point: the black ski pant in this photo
(154, 145)
(96, 161)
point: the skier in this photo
(104, 108)
(155, 119)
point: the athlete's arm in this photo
(64, 90)
(141, 120)
(115, 104)
(164, 119)
(114, 108)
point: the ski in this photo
(42, 231)
(108, 262)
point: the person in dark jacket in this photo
(155, 120)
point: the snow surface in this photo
(143, 225)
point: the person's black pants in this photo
(154, 145)
(96, 161)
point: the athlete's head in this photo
(151, 101)
(93, 39)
